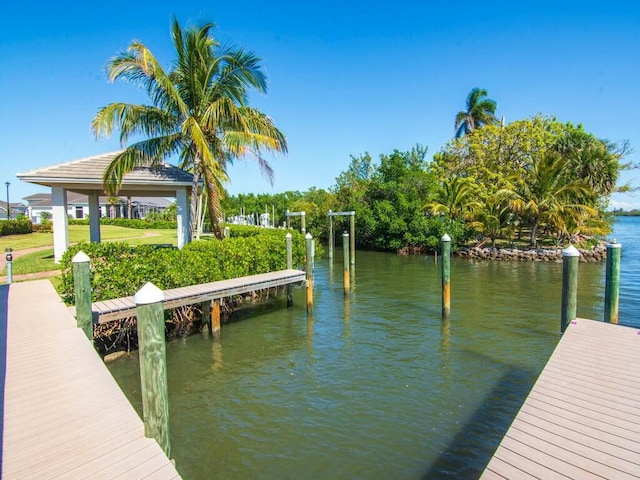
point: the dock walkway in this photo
(124, 307)
(582, 418)
(63, 414)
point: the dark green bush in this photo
(15, 227)
(119, 270)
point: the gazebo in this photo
(85, 176)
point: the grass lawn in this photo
(42, 261)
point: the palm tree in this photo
(479, 111)
(455, 197)
(550, 195)
(494, 219)
(198, 112)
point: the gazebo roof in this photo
(85, 174)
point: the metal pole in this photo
(353, 238)
(153, 365)
(612, 282)
(309, 245)
(82, 293)
(8, 207)
(345, 261)
(569, 286)
(330, 236)
(446, 275)
(289, 267)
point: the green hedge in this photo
(131, 223)
(15, 227)
(120, 270)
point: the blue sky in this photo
(344, 77)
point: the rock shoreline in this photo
(593, 255)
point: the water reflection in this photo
(373, 385)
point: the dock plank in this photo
(118, 308)
(582, 417)
(63, 411)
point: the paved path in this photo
(582, 417)
(63, 414)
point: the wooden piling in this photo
(206, 314)
(227, 232)
(82, 293)
(569, 286)
(346, 260)
(612, 282)
(303, 225)
(153, 365)
(215, 316)
(445, 242)
(353, 237)
(289, 267)
(309, 245)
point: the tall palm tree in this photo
(198, 112)
(480, 110)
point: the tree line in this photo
(493, 181)
(534, 179)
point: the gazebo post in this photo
(182, 216)
(60, 222)
(94, 217)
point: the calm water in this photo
(377, 387)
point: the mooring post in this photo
(445, 241)
(288, 219)
(206, 314)
(9, 258)
(353, 238)
(227, 232)
(153, 365)
(345, 260)
(569, 285)
(289, 267)
(303, 225)
(612, 282)
(215, 316)
(82, 293)
(330, 236)
(309, 244)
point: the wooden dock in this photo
(118, 308)
(582, 417)
(64, 415)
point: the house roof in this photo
(85, 174)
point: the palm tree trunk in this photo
(193, 204)
(533, 241)
(213, 203)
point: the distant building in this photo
(78, 206)
(15, 209)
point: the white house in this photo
(78, 206)
(15, 209)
